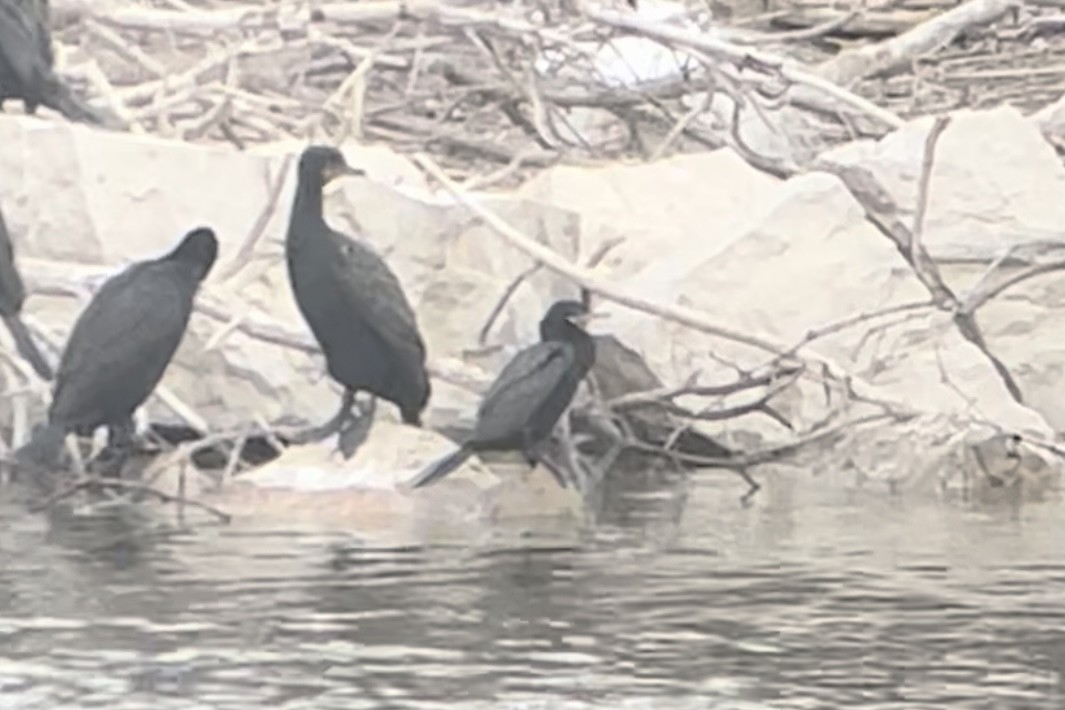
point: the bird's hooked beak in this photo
(338, 169)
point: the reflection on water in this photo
(676, 598)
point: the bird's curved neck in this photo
(566, 332)
(308, 201)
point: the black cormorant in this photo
(527, 398)
(12, 296)
(353, 303)
(121, 345)
(26, 62)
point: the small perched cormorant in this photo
(26, 62)
(527, 398)
(353, 303)
(121, 345)
(12, 296)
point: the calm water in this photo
(676, 598)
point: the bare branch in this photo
(918, 257)
(90, 483)
(882, 211)
(745, 57)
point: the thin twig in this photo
(744, 57)
(918, 256)
(979, 297)
(584, 277)
(857, 319)
(883, 213)
(504, 298)
(240, 258)
(664, 395)
(681, 126)
(83, 483)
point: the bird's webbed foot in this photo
(118, 450)
(355, 430)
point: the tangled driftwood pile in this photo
(489, 84)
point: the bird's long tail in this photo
(442, 467)
(26, 347)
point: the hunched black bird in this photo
(527, 398)
(12, 296)
(26, 62)
(121, 345)
(353, 304)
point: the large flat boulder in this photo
(996, 181)
(673, 206)
(368, 494)
(783, 259)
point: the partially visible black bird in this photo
(527, 398)
(121, 345)
(353, 303)
(26, 62)
(619, 371)
(12, 296)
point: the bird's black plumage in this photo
(12, 296)
(619, 371)
(122, 343)
(351, 300)
(521, 407)
(26, 62)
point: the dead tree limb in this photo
(899, 52)
(746, 57)
(87, 483)
(883, 213)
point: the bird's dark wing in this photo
(42, 20)
(522, 388)
(19, 40)
(122, 341)
(12, 291)
(26, 60)
(378, 297)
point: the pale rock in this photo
(812, 261)
(393, 456)
(667, 207)
(1024, 327)
(995, 181)
(779, 259)
(369, 493)
(1050, 120)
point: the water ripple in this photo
(806, 606)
